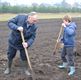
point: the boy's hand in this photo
(20, 28)
(25, 45)
(61, 45)
(63, 25)
(58, 40)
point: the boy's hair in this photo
(67, 18)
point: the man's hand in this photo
(20, 29)
(25, 45)
(63, 25)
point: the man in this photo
(27, 25)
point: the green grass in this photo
(6, 17)
(57, 15)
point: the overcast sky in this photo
(29, 2)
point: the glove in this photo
(20, 29)
(25, 45)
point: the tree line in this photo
(7, 8)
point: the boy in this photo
(68, 40)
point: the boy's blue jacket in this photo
(29, 32)
(69, 35)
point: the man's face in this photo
(32, 19)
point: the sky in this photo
(29, 2)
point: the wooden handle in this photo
(57, 40)
(22, 36)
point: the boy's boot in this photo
(72, 70)
(64, 65)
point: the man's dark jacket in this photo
(29, 31)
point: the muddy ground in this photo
(44, 63)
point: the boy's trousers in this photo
(67, 55)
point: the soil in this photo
(43, 62)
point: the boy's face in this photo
(65, 22)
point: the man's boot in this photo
(72, 70)
(25, 65)
(64, 65)
(8, 69)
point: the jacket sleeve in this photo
(13, 23)
(70, 30)
(31, 40)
